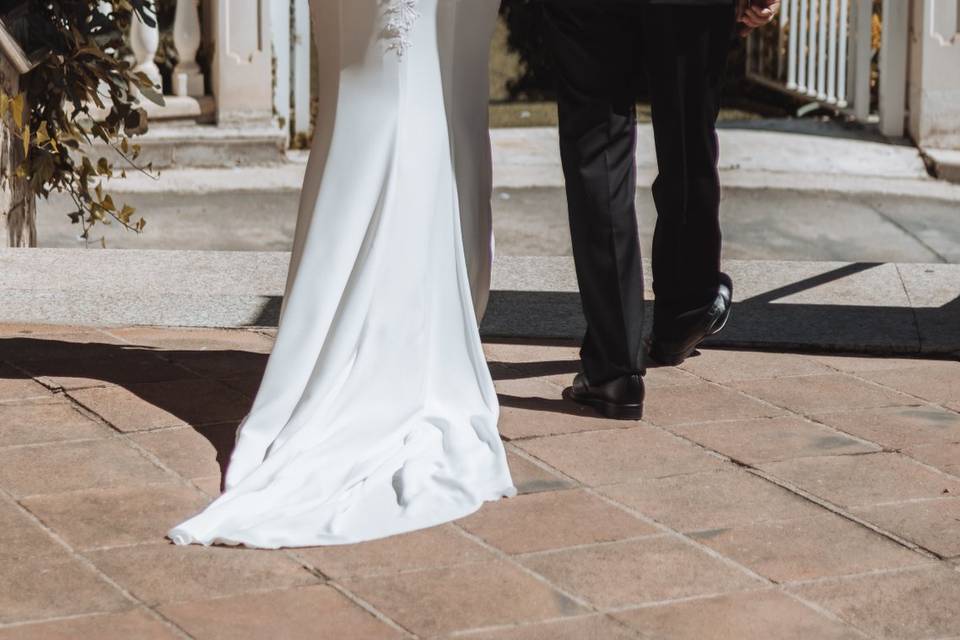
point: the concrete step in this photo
(823, 306)
(186, 144)
(759, 224)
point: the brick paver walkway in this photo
(764, 496)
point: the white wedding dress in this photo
(377, 414)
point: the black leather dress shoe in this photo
(676, 337)
(619, 399)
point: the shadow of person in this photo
(559, 404)
(523, 370)
(210, 391)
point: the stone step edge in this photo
(908, 309)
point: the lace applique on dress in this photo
(399, 16)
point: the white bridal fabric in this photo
(377, 414)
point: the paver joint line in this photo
(660, 531)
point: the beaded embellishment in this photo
(399, 16)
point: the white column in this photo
(242, 69)
(280, 25)
(861, 52)
(187, 76)
(934, 76)
(144, 41)
(301, 58)
(893, 67)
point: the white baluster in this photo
(822, 31)
(791, 15)
(105, 8)
(803, 12)
(145, 40)
(842, 62)
(812, 49)
(186, 38)
(832, 54)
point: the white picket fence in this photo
(823, 50)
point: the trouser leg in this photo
(593, 51)
(685, 52)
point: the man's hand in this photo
(757, 13)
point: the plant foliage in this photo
(83, 92)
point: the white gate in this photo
(823, 50)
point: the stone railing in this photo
(189, 97)
(235, 36)
(145, 41)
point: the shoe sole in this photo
(676, 359)
(608, 409)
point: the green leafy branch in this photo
(82, 93)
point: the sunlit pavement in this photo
(765, 495)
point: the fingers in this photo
(755, 16)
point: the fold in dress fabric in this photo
(377, 415)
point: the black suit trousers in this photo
(598, 48)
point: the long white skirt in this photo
(377, 414)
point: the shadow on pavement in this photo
(210, 391)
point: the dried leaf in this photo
(16, 110)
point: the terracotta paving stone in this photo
(116, 516)
(859, 364)
(531, 478)
(45, 420)
(623, 574)
(808, 548)
(69, 344)
(197, 402)
(945, 457)
(124, 409)
(211, 486)
(598, 627)
(308, 613)
(219, 364)
(513, 377)
(934, 381)
(660, 377)
(522, 417)
(162, 573)
(702, 403)
(178, 339)
(711, 500)
(822, 393)
(739, 616)
(428, 549)
(247, 385)
(117, 626)
(22, 537)
(607, 457)
(556, 350)
(932, 524)
(139, 407)
(439, 601)
(732, 366)
(899, 427)
(553, 520)
(919, 603)
(191, 452)
(15, 385)
(770, 439)
(31, 329)
(125, 367)
(54, 586)
(852, 481)
(52, 468)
